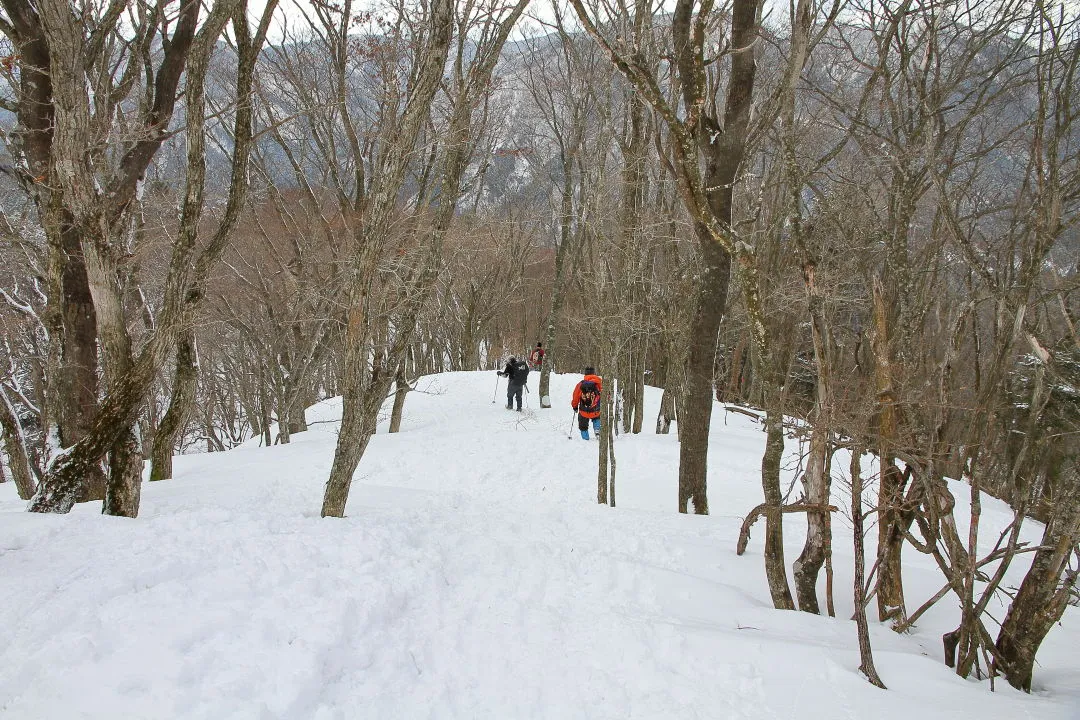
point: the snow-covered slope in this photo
(474, 577)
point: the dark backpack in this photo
(521, 374)
(590, 396)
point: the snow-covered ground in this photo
(474, 577)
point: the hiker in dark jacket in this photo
(517, 374)
(586, 401)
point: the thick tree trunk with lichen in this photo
(74, 394)
(77, 204)
(116, 417)
(15, 447)
(125, 476)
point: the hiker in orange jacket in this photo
(586, 402)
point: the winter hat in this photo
(589, 370)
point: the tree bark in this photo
(775, 567)
(696, 417)
(890, 582)
(607, 420)
(563, 253)
(185, 382)
(639, 396)
(607, 448)
(816, 488)
(361, 403)
(866, 655)
(723, 149)
(76, 395)
(399, 398)
(112, 428)
(125, 476)
(817, 481)
(73, 386)
(15, 447)
(706, 195)
(667, 411)
(1047, 587)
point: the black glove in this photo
(499, 373)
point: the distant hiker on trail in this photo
(586, 402)
(536, 359)
(517, 374)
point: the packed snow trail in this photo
(473, 577)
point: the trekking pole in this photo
(526, 397)
(496, 388)
(573, 421)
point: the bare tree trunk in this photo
(733, 390)
(117, 415)
(399, 398)
(890, 581)
(76, 396)
(357, 428)
(607, 447)
(775, 566)
(172, 424)
(73, 382)
(563, 254)
(667, 411)
(696, 417)
(298, 417)
(125, 476)
(639, 395)
(719, 144)
(866, 655)
(817, 480)
(112, 429)
(125, 457)
(264, 409)
(1047, 587)
(816, 488)
(361, 404)
(15, 447)
(607, 421)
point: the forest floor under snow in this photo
(473, 577)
